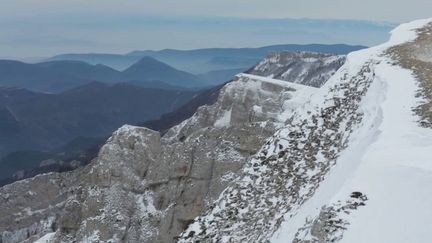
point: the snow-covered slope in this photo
(355, 166)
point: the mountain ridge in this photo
(198, 61)
(58, 76)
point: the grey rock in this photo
(330, 225)
(308, 68)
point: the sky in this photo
(40, 28)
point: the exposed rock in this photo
(330, 224)
(309, 68)
(30, 208)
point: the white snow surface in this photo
(276, 81)
(389, 157)
(46, 238)
(224, 120)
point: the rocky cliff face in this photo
(308, 68)
(289, 168)
(144, 187)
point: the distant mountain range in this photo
(35, 77)
(166, 69)
(58, 76)
(201, 61)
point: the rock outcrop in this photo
(330, 224)
(308, 68)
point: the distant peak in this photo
(148, 59)
(147, 62)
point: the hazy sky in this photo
(46, 27)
